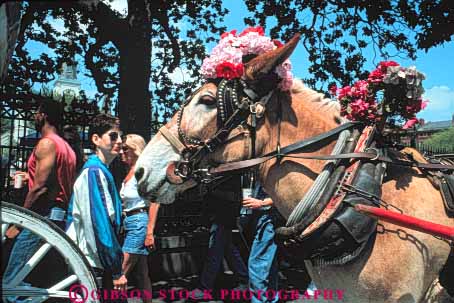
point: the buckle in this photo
(377, 153)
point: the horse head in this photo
(210, 128)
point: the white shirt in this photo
(130, 196)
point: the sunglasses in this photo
(114, 136)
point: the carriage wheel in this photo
(80, 272)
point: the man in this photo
(94, 216)
(51, 173)
(262, 263)
(223, 203)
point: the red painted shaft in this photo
(407, 221)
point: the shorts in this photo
(136, 231)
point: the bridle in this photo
(235, 103)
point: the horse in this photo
(401, 265)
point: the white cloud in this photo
(441, 103)
(120, 6)
(180, 75)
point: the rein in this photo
(233, 114)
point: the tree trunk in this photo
(134, 104)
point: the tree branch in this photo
(91, 66)
(173, 40)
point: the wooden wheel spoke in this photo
(34, 260)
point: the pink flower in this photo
(226, 58)
(385, 64)
(375, 76)
(410, 123)
(232, 32)
(257, 29)
(229, 70)
(344, 92)
(416, 106)
(424, 104)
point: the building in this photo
(67, 82)
(423, 131)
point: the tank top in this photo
(65, 165)
(130, 196)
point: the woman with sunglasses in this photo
(140, 218)
(94, 213)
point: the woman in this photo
(140, 217)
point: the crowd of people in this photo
(81, 197)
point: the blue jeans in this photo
(263, 267)
(25, 246)
(220, 246)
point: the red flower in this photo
(233, 32)
(257, 29)
(344, 92)
(278, 43)
(333, 90)
(410, 123)
(385, 64)
(229, 70)
(376, 76)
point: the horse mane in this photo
(316, 100)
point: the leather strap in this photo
(173, 140)
(315, 143)
(309, 145)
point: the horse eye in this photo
(207, 100)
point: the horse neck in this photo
(303, 115)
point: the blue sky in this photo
(437, 64)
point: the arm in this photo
(152, 217)
(45, 174)
(254, 203)
(261, 199)
(109, 250)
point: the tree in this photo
(117, 50)
(336, 33)
(134, 57)
(443, 139)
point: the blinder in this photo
(235, 102)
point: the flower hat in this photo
(228, 56)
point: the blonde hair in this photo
(136, 143)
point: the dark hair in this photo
(54, 111)
(71, 135)
(101, 123)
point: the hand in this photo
(120, 283)
(252, 203)
(149, 242)
(25, 176)
(12, 232)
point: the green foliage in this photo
(443, 139)
(336, 33)
(134, 57)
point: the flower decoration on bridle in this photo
(391, 92)
(226, 58)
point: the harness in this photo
(330, 230)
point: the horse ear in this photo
(263, 64)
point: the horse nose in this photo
(139, 173)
